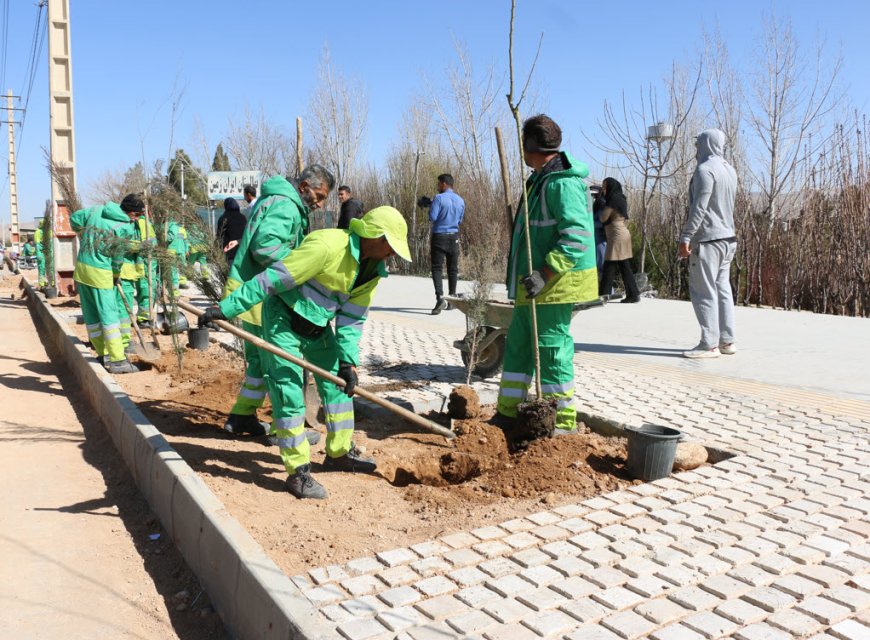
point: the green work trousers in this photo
(142, 298)
(129, 289)
(286, 390)
(557, 361)
(253, 392)
(40, 269)
(100, 311)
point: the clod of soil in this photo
(536, 420)
(463, 403)
(481, 464)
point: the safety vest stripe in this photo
(289, 423)
(291, 442)
(341, 425)
(267, 253)
(340, 407)
(509, 392)
(564, 403)
(557, 388)
(510, 376)
(253, 382)
(577, 231)
(315, 296)
(576, 245)
(344, 321)
(252, 394)
(350, 308)
(542, 223)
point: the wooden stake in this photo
(300, 164)
(505, 181)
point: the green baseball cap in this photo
(384, 221)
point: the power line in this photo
(37, 43)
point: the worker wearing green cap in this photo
(331, 275)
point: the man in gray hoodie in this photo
(709, 242)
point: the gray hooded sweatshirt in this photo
(711, 193)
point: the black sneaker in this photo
(303, 486)
(122, 366)
(441, 305)
(630, 300)
(239, 425)
(353, 461)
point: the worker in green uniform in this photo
(278, 222)
(38, 239)
(197, 248)
(133, 269)
(98, 268)
(175, 239)
(145, 298)
(332, 275)
(562, 273)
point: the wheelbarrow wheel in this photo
(489, 360)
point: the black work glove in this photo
(424, 202)
(211, 314)
(535, 283)
(347, 372)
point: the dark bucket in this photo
(651, 451)
(50, 293)
(179, 325)
(197, 339)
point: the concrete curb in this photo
(254, 598)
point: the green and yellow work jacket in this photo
(133, 267)
(278, 222)
(319, 280)
(100, 255)
(29, 250)
(177, 239)
(38, 236)
(562, 234)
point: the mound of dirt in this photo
(485, 467)
(463, 403)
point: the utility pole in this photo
(62, 138)
(13, 174)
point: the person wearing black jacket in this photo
(231, 227)
(350, 207)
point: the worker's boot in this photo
(239, 425)
(122, 366)
(303, 486)
(353, 461)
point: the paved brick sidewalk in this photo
(772, 543)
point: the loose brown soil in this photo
(463, 403)
(424, 487)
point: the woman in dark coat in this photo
(230, 228)
(618, 254)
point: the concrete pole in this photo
(300, 164)
(182, 178)
(62, 139)
(13, 175)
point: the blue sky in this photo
(128, 55)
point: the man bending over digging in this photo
(333, 273)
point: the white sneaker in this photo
(698, 353)
(728, 349)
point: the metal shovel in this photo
(145, 352)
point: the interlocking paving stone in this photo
(772, 541)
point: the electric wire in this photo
(37, 42)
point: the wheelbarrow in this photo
(492, 331)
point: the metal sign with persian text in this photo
(229, 184)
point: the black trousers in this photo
(608, 272)
(445, 245)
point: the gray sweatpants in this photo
(710, 290)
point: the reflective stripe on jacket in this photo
(318, 281)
